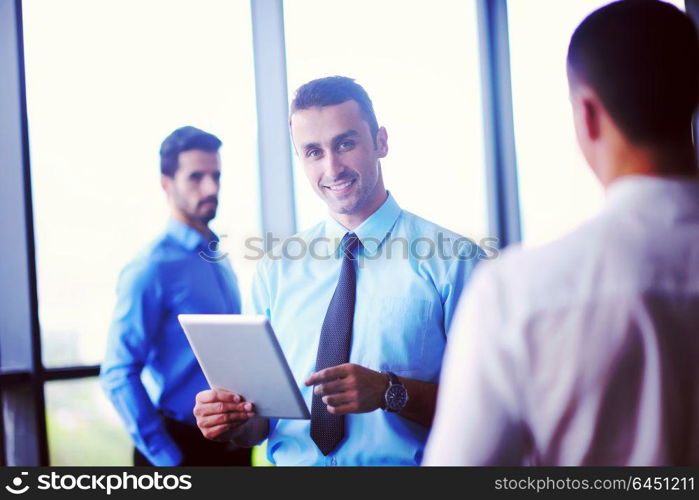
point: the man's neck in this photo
(199, 226)
(672, 161)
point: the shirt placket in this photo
(224, 286)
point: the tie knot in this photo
(349, 244)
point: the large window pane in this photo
(419, 62)
(83, 428)
(557, 188)
(107, 80)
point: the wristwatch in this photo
(396, 396)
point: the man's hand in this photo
(349, 388)
(219, 413)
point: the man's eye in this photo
(196, 177)
(313, 153)
(346, 145)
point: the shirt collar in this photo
(632, 190)
(372, 232)
(186, 236)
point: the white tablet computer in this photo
(241, 354)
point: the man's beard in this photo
(211, 213)
(207, 216)
(197, 215)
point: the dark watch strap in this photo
(393, 378)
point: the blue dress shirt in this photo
(149, 366)
(407, 289)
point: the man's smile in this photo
(340, 187)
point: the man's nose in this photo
(334, 166)
(209, 186)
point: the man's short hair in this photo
(642, 59)
(181, 140)
(334, 90)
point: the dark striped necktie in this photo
(327, 430)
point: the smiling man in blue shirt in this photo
(149, 371)
(361, 303)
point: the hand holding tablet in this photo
(220, 413)
(240, 354)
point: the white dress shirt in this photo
(584, 351)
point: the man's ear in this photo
(382, 142)
(586, 112)
(166, 183)
(591, 118)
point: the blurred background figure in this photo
(149, 371)
(583, 351)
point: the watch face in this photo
(396, 397)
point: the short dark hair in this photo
(181, 140)
(333, 90)
(642, 59)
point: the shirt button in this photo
(333, 461)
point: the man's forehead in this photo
(327, 121)
(197, 158)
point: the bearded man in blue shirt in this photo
(149, 371)
(361, 303)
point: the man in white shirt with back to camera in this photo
(584, 351)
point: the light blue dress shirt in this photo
(149, 366)
(407, 290)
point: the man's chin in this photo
(342, 208)
(207, 216)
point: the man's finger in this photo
(224, 418)
(221, 407)
(234, 419)
(224, 395)
(327, 374)
(215, 433)
(214, 395)
(337, 399)
(330, 388)
(342, 409)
